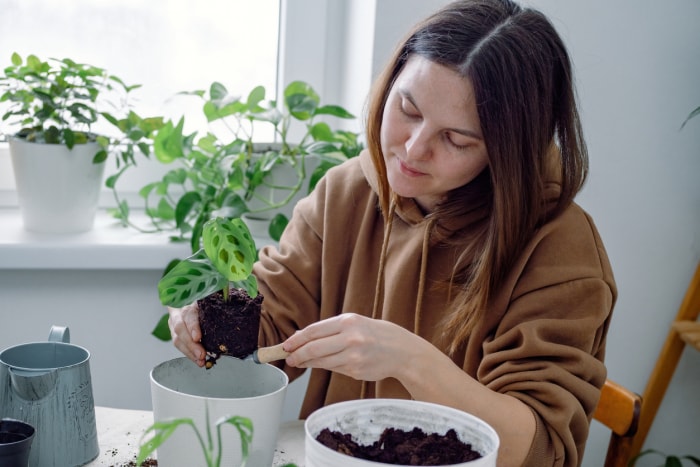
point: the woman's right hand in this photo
(184, 329)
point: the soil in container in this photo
(401, 447)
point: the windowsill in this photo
(107, 246)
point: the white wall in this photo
(638, 69)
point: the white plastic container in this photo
(366, 419)
(179, 388)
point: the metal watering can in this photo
(48, 385)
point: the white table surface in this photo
(119, 432)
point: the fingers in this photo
(316, 352)
(327, 327)
(336, 344)
(351, 344)
(190, 315)
(185, 331)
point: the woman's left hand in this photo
(354, 345)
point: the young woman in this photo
(448, 262)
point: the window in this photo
(174, 45)
(166, 46)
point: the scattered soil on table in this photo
(400, 447)
(149, 462)
(231, 327)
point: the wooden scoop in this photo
(268, 354)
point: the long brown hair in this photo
(522, 79)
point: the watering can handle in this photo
(59, 334)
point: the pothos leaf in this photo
(162, 330)
(301, 100)
(277, 226)
(168, 142)
(185, 205)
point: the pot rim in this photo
(283, 387)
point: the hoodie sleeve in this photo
(292, 276)
(289, 277)
(544, 340)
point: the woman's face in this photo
(431, 134)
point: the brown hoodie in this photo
(543, 341)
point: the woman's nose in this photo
(418, 145)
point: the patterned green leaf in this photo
(230, 247)
(191, 279)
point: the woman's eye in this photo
(408, 110)
(457, 141)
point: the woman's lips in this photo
(405, 169)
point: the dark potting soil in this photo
(400, 447)
(229, 327)
(147, 463)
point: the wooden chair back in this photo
(618, 409)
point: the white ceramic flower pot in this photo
(179, 388)
(58, 188)
(366, 419)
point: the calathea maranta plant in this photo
(225, 260)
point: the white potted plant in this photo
(50, 108)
